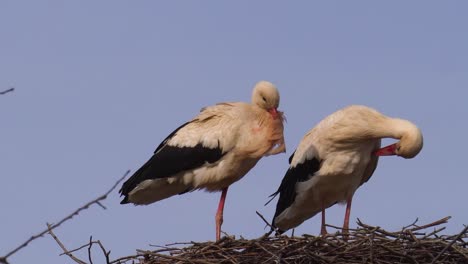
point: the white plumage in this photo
(335, 158)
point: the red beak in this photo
(273, 112)
(387, 151)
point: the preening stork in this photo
(212, 151)
(335, 158)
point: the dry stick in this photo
(399, 253)
(410, 225)
(106, 253)
(7, 91)
(173, 258)
(89, 249)
(438, 222)
(450, 244)
(433, 233)
(268, 224)
(340, 228)
(65, 250)
(371, 251)
(70, 216)
(74, 250)
(266, 250)
(378, 229)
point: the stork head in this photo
(410, 144)
(266, 96)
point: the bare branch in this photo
(89, 249)
(76, 249)
(7, 91)
(3, 259)
(410, 225)
(104, 251)
(62, 246)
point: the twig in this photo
(106, 253)
(450, 244)
(89, 249)
(7, 91)
(433, 232)
(70, 216)
(438, 222)
(264, 220)
(410, 225)
(65, 250)
(76, 249)
(399, 253)
(341, 228)
(267, 251)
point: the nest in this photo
(366, 244)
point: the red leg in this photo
(323, 230)
(219, 214)
(346, 219)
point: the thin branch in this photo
(7, 91)
(410, 225)
(68, 217)
(264, 220)
(272, 228)
(62, 246)
(89, 249)
(104, 251)
(76, 249)
(438, 222)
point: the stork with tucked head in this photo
(212, 151)
(335, 158)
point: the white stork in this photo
(212, 151)
(335, 158)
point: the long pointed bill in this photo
(387, 151)
(273, 112)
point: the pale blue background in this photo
(101, 83)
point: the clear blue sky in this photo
(100, 84)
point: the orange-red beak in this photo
(273, 112)
(387, 151)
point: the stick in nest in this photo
(272, 228)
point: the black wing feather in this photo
(287, 189)
(170, 160)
